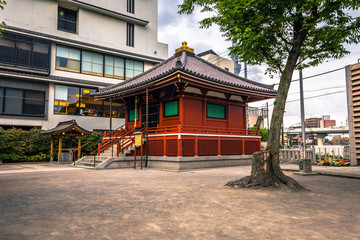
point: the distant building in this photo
(215, 59)
(328, 123)
(312, 122)
(353, 101)
(323, 122)
(339, 140)
(256, 117)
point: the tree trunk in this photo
(266, 171)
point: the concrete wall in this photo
(105, 32)
(220, 61)
(41, 16)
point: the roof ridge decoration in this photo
(184, 47)
(181, 62)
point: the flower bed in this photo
(334, 162)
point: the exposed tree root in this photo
(246, 182)
(265, 173)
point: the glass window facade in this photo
(215, 111)
(78, 101)
(114, 67)
(70, 59)
(171, 108)
(133, 68)
(26, 52)
(23, 102)
(92, 63)
(67, 58)
(67, 20)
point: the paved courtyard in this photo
(59, 202)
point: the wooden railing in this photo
(218, 131)
(108, 141)
(126, 141)
(202, 130)
(116, 132)
(125, 138)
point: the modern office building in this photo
(54, 54)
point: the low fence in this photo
(294, 155)
(334, 151)
(331, 151)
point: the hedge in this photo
(17, 145)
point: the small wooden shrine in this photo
(192, 112)
(66, 128)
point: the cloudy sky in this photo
(175, 28)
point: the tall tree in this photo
(286, 35)
(2, 24)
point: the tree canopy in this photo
(266, 31)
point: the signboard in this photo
(138, 139)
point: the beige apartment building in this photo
(54, 54)
(353, 100)
(217, 60)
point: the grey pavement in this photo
(349, 172)
(153, 204)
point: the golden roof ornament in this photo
(184, 47)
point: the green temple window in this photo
(171, 108)
(215, 111)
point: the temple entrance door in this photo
(153, 114)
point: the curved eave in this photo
(169, 74)
(78, 129)
(235, 87)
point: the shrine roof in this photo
(67, 127)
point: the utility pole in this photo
(267, 116)
(112, 145)
(147, 128)
(245, 69)
(306, 165)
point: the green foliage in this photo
(92, 141)
(264, 133)
(17, 145)
(2, 24)
(13, 157)
(270, 31)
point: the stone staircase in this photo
(106, 157)
(91, 161)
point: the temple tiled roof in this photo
(66, 126)
(192, 65)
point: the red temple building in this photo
(196, 115)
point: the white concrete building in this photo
(54, 54)
(215, 59)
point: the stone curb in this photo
(297, 172)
